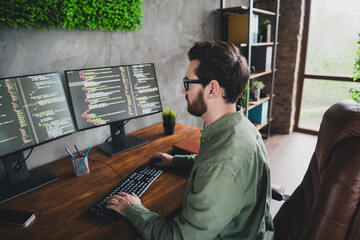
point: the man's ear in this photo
(214, 89)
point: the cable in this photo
(118, 132)
(108, 165)
(19, 163)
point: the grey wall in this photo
(170, 28)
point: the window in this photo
(330, 52)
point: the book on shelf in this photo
(261, 58)
(238, 28)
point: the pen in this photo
(67, 150)
(87, 152)
(82, 165)
(77, 150)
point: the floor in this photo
(289, 157)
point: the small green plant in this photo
(263, 23)
(243, 98)
(355, 93)
(258, 85)
(169, 117)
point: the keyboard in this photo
(137, 182)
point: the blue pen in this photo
(87, 152)
(67, 150)
(83, 159)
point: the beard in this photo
(198, 106)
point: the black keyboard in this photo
(137, 182)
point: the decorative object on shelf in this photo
(355, 92)
(264, 32)
(258, 85)
(169, 121)
(72, 14)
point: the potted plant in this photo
(264, 27)
(169, 120)
(258, 85)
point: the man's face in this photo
(195, 95)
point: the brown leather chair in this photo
(326, 205)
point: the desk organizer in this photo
(81, 165)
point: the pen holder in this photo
(81, 165)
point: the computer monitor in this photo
(33, 110)
(112, 95)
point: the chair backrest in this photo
(326, 203)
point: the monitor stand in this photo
(120, 142)
(21, 181)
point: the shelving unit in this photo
(247, 46)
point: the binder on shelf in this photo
(261, 58)
(238, 28)
(259, 113)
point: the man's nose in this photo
(183, 90)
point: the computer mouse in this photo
(153, 161)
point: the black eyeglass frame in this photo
(187, 82)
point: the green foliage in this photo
(258, 85)
(243, 97)
(355, 94)
(111, 15)
(263, 23)
(169, 117)
(356, 72)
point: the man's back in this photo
(228, 189)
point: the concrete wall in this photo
(170, 28)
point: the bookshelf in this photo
(248, 27)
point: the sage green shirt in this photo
(228, 193)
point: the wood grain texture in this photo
(59, 206)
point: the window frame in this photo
(302, 75)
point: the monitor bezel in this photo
(53, 139)
(109, 123)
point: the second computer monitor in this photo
(105, 95)
(111, 95)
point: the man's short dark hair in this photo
(223, 62)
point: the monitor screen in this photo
(111, 95)
(102, 96)
(33, 110)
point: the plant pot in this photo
(256, 94)
(169, 128)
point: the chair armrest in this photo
(278, 193)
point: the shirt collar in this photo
(220, 125)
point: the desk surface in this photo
(59, 206)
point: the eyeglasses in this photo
(188, 81)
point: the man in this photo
(228, 194)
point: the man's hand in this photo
(166, 159)
(121, 202)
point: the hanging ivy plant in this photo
(111, 15)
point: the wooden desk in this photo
(59, 206)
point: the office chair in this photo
(326, 205)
